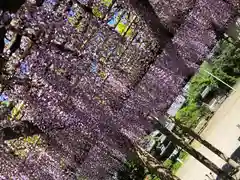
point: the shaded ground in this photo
(236, 157)
(223, 133)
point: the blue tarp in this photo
(53, 2)
(24, 68)
(114, 19)
(4, 99)
(94, 67)
(71, 13)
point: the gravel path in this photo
(222, 132)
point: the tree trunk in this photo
(190, 132)
(145, 10)
(2, 36)
(197, 155)
(154, 165)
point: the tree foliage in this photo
(225, 64)
(190, 114)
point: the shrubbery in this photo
(190, 114)
(175, 165)
(225, 64)
(134, 170)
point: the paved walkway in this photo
(222, 132)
